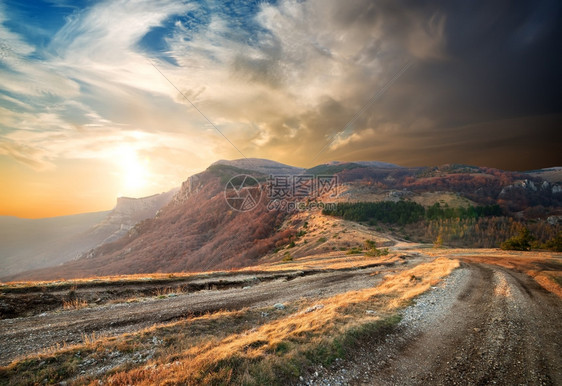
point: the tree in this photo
(521, 242)
(438, 243)
(555, 244)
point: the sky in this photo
(100, 99)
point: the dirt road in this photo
(486, 325)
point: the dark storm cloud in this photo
(484, 79)
(493, 98)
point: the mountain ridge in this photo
(197, 230)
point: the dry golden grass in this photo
(327, 261)
(89, 339)
(59, 362)
(550, 282)
(331, 260)
(74, 304)
(231, 359)
(540, 267)
(101, 279)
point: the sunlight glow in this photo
(133, 170)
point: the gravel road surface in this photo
(483, 325)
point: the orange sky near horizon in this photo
(72, 188)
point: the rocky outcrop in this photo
(188, 188)
(523, 184)
(554, 220)
(127, 213)
(130, 211)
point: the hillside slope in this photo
(196, 231)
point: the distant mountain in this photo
(552, 175)
(27, 244)
(198, 230)
(263, 166)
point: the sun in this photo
(133, 170)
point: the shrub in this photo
(372, 249)
(521, 242)
(288, 257)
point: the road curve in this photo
(485, 325)
(488, 325)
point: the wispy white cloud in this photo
(11, 44)
(28, 155)
(308, 67)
